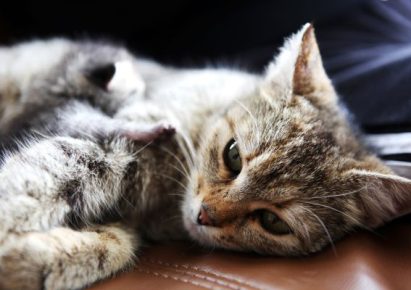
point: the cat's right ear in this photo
(299, 69)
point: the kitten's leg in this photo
(44, 184)
(65, 259)
(81, 120)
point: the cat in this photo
(82, 80)
(117, 149)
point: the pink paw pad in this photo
(155, 133)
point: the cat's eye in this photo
(272, 223)
(232, 158)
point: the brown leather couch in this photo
(379, 260)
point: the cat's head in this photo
(281, 172)
(99, 73)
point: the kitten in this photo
(68, 88)
(262, 163)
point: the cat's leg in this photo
(42, 184)
(47, 182)
(81, 120)
(65, 259)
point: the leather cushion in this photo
(379, 260)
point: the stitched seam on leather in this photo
(176, 278)
(199, 276)
(219, 275)
(216, 274)
(213, 280)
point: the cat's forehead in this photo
(286, 143)
(275, 120)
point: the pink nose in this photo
(203, 218)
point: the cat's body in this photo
(75, 199)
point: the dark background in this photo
(365, 43)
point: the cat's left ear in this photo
(384, 196)
(300, 66)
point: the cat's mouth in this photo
(200, 233)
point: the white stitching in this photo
(194, 274)
(166, 276)
(216, 281)
(219, 275)
(197, 275)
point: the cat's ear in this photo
(384, 197)
(119, 76)
(101, 75)
(299, 65)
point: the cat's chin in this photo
(198, 233)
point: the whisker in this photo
(300, 223)
(183, 169)
(184, 186)
(325, 230)
(256, 128)
(341, 212)
(247, 110)
(142, 148)
(179, 196)
(172, 218)
(246, 142)
(41, 134)
(307, 233)
(186, 153)
(180, 171)
(187, 148)
(128, 203)
(336, 195)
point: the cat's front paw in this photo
(64, 259)
(22, 262)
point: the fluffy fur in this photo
(75, 198)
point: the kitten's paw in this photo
(22, 259)
(150, 133)
(89, 256)
(64, 259)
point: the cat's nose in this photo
(203, 217)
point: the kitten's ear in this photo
(384, 197)
(300, 66)
(101, 75)
(119, 76)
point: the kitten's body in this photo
(295, 145)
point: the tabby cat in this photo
(113, 149)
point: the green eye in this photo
(271, 223)
(232, 158)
